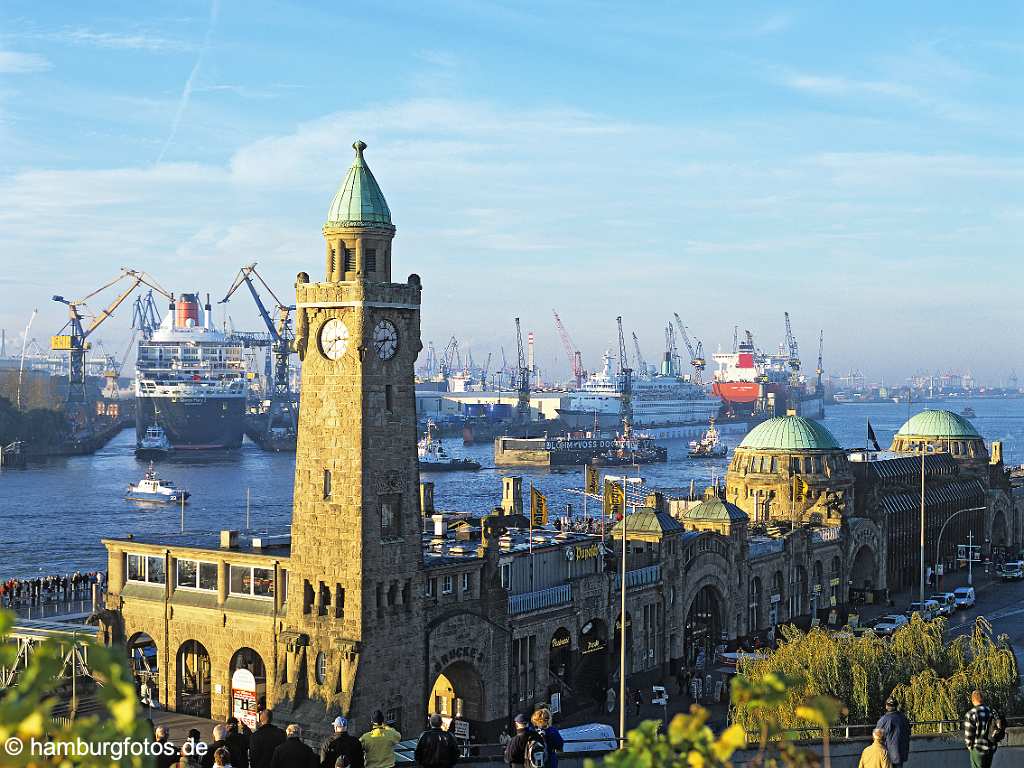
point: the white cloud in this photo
(139, 41)
(15, 63)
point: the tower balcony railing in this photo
(542, 598)
(642, 577)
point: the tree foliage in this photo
(27, 709)
(930, 677)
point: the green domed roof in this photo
(714, 509)
(933, 423)
(359, 201)
(790, 433)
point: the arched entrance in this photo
(248, 686)
(193, 675)
(458, 692)
(560, 655)
(1000, 534)
(142, 653)
(703, 629)
(592, 673)
(862, 573)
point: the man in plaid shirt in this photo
(976, 723)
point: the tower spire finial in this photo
(359, 145)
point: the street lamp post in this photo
(938, 545)
(622, 611)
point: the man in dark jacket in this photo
(896, 727)
(264, 740)
(436, 748)
(220, 732)
(341, 744)
(515, 750)
(293, 753)
(237, 744)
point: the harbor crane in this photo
(522, 380)
(451, 360)
(282, 400)
(626, 384)
(794, 353)
(641, 363)
(696, 352)
(430, 364)
(672, 366)
(76, 341)
(571, 351)
(819, 370)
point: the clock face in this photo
(334, 338)
(385, 339)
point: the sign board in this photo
(965, 552)
(940, 569)
(775, 599)
(556, 703)
(834, 583)
(659, 696)
(243, 698)
(459, 729)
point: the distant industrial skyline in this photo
(858, 167)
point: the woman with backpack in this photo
(553, 740)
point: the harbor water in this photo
(53, 514)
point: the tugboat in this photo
(154, 443)
(634, 449)
(434, 458)
(152, 488)
(710, 445)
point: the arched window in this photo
(321, 668)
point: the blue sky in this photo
(859, 166)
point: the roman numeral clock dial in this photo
(385, 339)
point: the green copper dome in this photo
(931, 423)
(359, 201)
(716, 510)
(790, 433)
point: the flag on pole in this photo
(872, 439)
(538, 508)
(614, 500)
(592, 483)
(800, 489)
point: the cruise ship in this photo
(190, 381)
(664, 406)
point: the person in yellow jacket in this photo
(875, 755)
(379, 743)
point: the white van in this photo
(928, 611)
(964, 597)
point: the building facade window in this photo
(446, 585)
(193, 574)
(327, 484)
(321, 668)
(465, 582)
(146, 569)
(370, 257)
(431, 588)
(506, 575)
(249, 581)
(391, 517)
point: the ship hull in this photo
(736, 391)
(209, 423)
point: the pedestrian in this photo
(341, 744)
(984, 728)
(875, 756)
(553, 741)
(436, 748)
(220, 732)
(896, 727)
(504, 737)
(238, 744)
(189, 758)
(379, 743)
(264, 740)
(222, 758)
(515, 750)
(168, 755)
(292, 753)
(638, 699)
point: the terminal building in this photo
(376, 600)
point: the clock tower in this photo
(354, 631)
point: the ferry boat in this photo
(710, 445)
(190, 379)
(153, 488)
(154, 443)
(434, 458)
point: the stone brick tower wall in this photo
(356, 579)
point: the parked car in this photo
(1011, 571)
(887, 625)
(964, 597)
(928, 611)
(946, 601)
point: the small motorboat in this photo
(434, 458)
(154, 443)
(710, 445)
(153, 488)
(968, 412)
